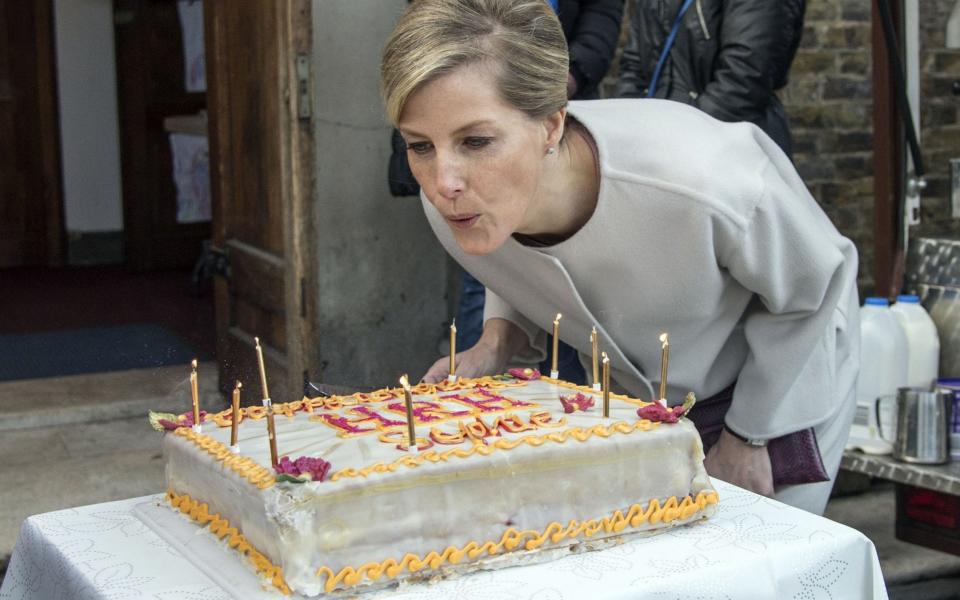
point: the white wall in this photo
(382, 274)
(87, 90)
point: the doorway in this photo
(98, 263)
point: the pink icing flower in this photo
(305, 467)
(527, 374)
(574, 403)
(658, 413)
(184, 420)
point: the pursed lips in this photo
(462, 221)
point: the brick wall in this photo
(940, 108)
(829, 104)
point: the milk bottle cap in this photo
(908, 299)
(875, 301)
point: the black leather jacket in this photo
(592, 28)
(728, 59)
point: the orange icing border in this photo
(263, 477)
(244, 466)
(309, 405)
(559, 437)
(221, 528)
(511, 539)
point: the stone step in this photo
(32, 403)
(52, 468)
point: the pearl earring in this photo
(551, 150)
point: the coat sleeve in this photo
(744, 73)
(802, 273)
(594, 40)
(497, 307)
(631, 83)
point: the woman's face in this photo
(478, 159)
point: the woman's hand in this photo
(735, 462)
(476, 362)
(501, 339)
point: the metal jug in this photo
(923, 421)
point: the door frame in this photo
(293, 40)
(35, 70)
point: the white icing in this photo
(356, 520)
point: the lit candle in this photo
(593, 348)
(268, 404)
(408, 400)
(452, 377)
(664, 359)
(554, 372)
(606, 386)
(195, 392)
(235, 419)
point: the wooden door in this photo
(260, 151)
(31, 222)
(150, 87)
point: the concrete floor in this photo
(81, 440)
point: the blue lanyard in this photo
(652, 89)
(553, 5)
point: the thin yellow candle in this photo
(263, 371)
(408, 400)
(664, 359)
(195, 392)
(453, 350)
(593, 360)
(554, 372)
(235, 417)
(268, 404)
(606, 386)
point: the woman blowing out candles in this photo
(639, 217)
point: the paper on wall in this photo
(194, 63)
(191, 174)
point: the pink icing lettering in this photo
(490, 402)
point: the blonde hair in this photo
(521, 39)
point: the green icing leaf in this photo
(283, 477)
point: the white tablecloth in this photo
(753, 548)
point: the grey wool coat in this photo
(704, 230)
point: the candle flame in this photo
(604, 355)
(559, 316)
(453, 324)
(665, 339)
(193, 364)
(238, 386)
(405, 382)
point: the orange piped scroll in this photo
(512, 539)
(244, 466)
(222, 529)
(578, 433)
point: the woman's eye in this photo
(419, 147)
(477, 142)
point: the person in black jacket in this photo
(728, 59)
(592, 28)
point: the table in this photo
(754, 547)
(939, 478)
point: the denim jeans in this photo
(470, 326)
